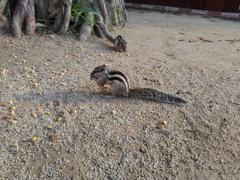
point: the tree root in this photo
(101, 7)
(98, 31)
(30, 18)
(3, 19)
(118, 41)
(19, 17)
(99, 25)
(62, 15)
(87, 26)
(41, 9)
(85, 32)
(24, 14)
(97, 15)
(67, 5)
(3, 4)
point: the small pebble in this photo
(58, 119)
(63, 84)
(3, 71)
(35, 85)
(48, 113)
(53, 138)
(73, 111)
(34, 139)
(164, 123)
(34, 114)
(12, 108)
(48, 126)
(114, 112)
(12, 113)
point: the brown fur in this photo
(119, 87)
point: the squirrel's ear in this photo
(104, 65)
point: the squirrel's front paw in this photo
(106, 88)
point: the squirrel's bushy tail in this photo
(155, 95)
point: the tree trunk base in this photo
(3, 4)
(24, 14)
(90, 16)
(4, 21)
(85, 32)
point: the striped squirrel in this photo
(119, 86)
(119, 42)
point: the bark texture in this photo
(2, 7)
(109, 13)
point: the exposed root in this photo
(101, 6)
(96, 16)
(76, 21)
(118, 41)
(4, 21)
(3, 4)
(85, 32)
(67, 5)
(124, 11)
(98, 32)
(41, 10)
(100, 24)
(57, 21)
(30, 18)
(24, 13)
(87, 26)
(62, 15)
(17, 19)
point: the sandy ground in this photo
(53, 124)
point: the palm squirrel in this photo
(118, 85)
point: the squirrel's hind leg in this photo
(118, 89)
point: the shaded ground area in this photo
(53, 124)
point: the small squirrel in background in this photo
(118, 84)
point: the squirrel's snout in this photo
(92, 77)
